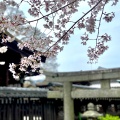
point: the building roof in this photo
(22, 92)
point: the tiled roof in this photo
(22, 92)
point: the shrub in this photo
(109, 117)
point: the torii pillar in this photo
(68, 102)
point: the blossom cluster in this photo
(12, 67)
(26, 66)
(100, 48)
(35, 44)
(3, 49)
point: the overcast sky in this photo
(74, 56)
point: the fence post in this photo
(68, 102)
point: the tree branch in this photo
(100, 22)
(73, 25)
(50, 13)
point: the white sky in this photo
(74, 56)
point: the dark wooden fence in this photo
(27, 109)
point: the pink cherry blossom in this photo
(108, 17)
(3, 49)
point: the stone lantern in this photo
(91, 114)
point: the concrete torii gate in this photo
(68, 95)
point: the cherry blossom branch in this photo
(73, 25)
(100, 22)
(50, 13)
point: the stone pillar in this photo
(68, 102)
(105, 84)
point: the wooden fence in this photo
(27, 109)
